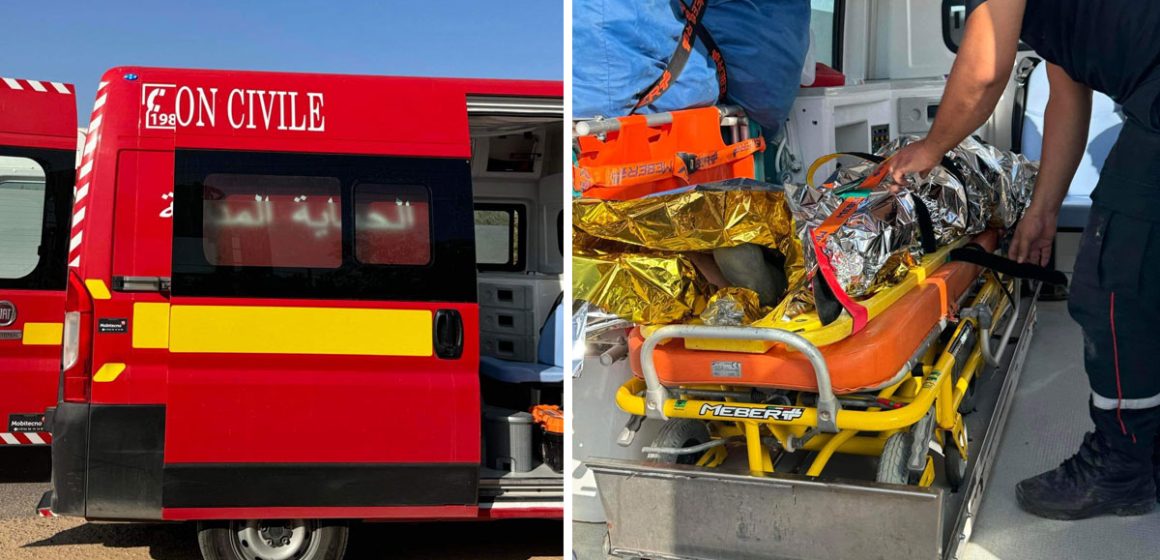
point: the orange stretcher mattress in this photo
(859, 362)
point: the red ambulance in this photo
(272, 322)
(38, 144)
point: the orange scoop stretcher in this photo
(859, 362)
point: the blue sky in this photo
(76, 41)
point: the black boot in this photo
(1110, 474)
(1156, 464)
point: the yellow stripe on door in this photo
(43, 334)
(150, 325)
(299, 330)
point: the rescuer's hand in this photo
(916, 157)
(1033, 237)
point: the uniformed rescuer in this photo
(1111, 46)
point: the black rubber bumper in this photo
(106, 461)
(70, 444)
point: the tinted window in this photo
(392, 224)
(21, 216)
(272, 221)
(282, 225)
(36, 188)
(499, 236)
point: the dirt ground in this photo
(23, 536)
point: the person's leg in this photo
(1112, 471)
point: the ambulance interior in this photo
(894, 56)
(517, 176)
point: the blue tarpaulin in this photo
(619, 47)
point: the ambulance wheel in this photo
(681, 432)
(894, 464)
(273, 539)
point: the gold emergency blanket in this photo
(646, 289)
(635, 258)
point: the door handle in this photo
(11, 335)
(448, 334)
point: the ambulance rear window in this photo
(272, 221)
(21, 214)
(500, 237)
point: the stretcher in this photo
(631, 157)
(768, 429)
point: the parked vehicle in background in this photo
(38, 146)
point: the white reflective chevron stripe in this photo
(1104, 403)
(79, 216)
(95, 123)
(9, 439)
(60, 88)
(34, 438)
(92, 143)
(37, 86)
(76, 241)
(100, 102)
(12, 83)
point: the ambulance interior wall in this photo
(515, 303)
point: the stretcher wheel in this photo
(969, 402)
(682, 432)
(278, 539)
(956, 468)
(894, 464)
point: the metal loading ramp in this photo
(675, 512)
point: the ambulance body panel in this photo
(277, 286)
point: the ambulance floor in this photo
(1046, 422)
(1045, 425)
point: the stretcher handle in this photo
(603, 126)
(656, 394)
(992, 358)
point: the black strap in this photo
(974, 254)
(694, 28)
(925, 225)
(825, 302)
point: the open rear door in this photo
(1032, 93)
(38, 144)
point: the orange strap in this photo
(836, 219)
(943, 300)
(681, 165)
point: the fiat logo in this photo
(7, 313)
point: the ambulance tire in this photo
(894, 464)
(681, 432)
(314, 539)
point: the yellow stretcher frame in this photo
(859, 432)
